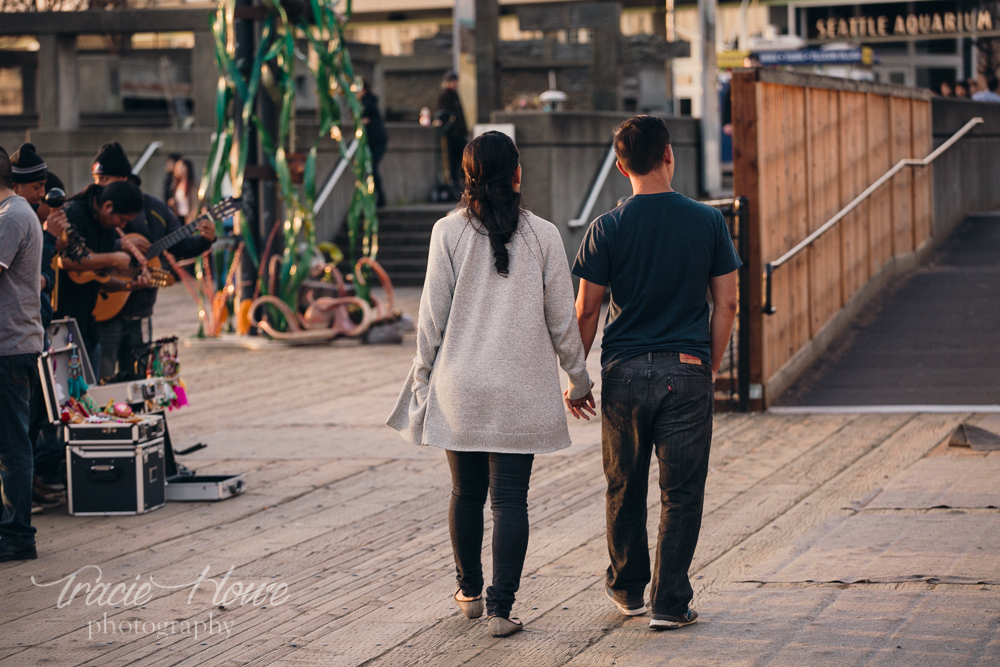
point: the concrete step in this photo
(404, 238)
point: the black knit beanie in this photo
(27, 166)
(53, 181)
(111, 161)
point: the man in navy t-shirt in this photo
(660, 254)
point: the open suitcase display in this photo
(115, 468)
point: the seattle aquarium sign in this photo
(918, 24)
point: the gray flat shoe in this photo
(471, 608)
(504, 627)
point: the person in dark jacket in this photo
(378, 138)
(458, 133)
(126, 337)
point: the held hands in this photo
(579, 407)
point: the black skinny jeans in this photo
(653, 402)
(505, 477)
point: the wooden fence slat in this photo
(923, 190)
(902, 183)
(804, 148)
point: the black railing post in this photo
(743, 373)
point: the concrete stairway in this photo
(404, 237)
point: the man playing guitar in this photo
(126, 336)
(95, 213)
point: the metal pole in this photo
(710, 142)
(245, 33)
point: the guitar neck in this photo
(174, 237)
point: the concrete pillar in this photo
(710, 141)
(605, 70)
(487, 68)
(204, 79)
(58, 95)
(29, 85)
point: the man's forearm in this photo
(722, 329)
(95, 260)
(588, 329)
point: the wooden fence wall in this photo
(804, 146)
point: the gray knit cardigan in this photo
(486, 376)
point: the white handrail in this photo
(595, 191)
(334, 177)
(768, 307)
(144, 158)
(907, 162)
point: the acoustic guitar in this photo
(110, 303)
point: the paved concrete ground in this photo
(827, 540)
(933, 339)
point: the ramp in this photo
(933, 339)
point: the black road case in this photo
(115, 479)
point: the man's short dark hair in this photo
(125, 198)
(640, 143)
(6, 171)
(992, 82)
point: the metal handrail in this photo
(595, 190)
(334, 177)
(768, 308)
(146, 154)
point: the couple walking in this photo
(497, 317)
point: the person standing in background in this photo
(184, 201)
(458, 134)
(378, 138)
(168, 175)
(21, 341)
(32, 180)
(989, 94)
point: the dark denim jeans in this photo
(506, 477)
(655, 402)
(18, 378)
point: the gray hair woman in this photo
(496, 321)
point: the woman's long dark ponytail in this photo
(490, 162)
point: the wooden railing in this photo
(804, 147)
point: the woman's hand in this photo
(579, 407)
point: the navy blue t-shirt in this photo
(657, 253)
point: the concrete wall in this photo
(408, 172)
(965, 176)
(407, 169)
(70, 153)
(561, 154)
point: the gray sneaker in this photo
(630, 607)
(665, 622)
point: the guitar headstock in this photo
(225, 208)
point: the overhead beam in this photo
(103, 22)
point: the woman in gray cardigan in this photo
(496, 321)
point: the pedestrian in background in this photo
(378, 138)
(496, 322)
(184, 202)
(458, 133)
(990, 94)
(21, 341)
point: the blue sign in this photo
(858, 56)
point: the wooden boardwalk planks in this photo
(359, 535)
